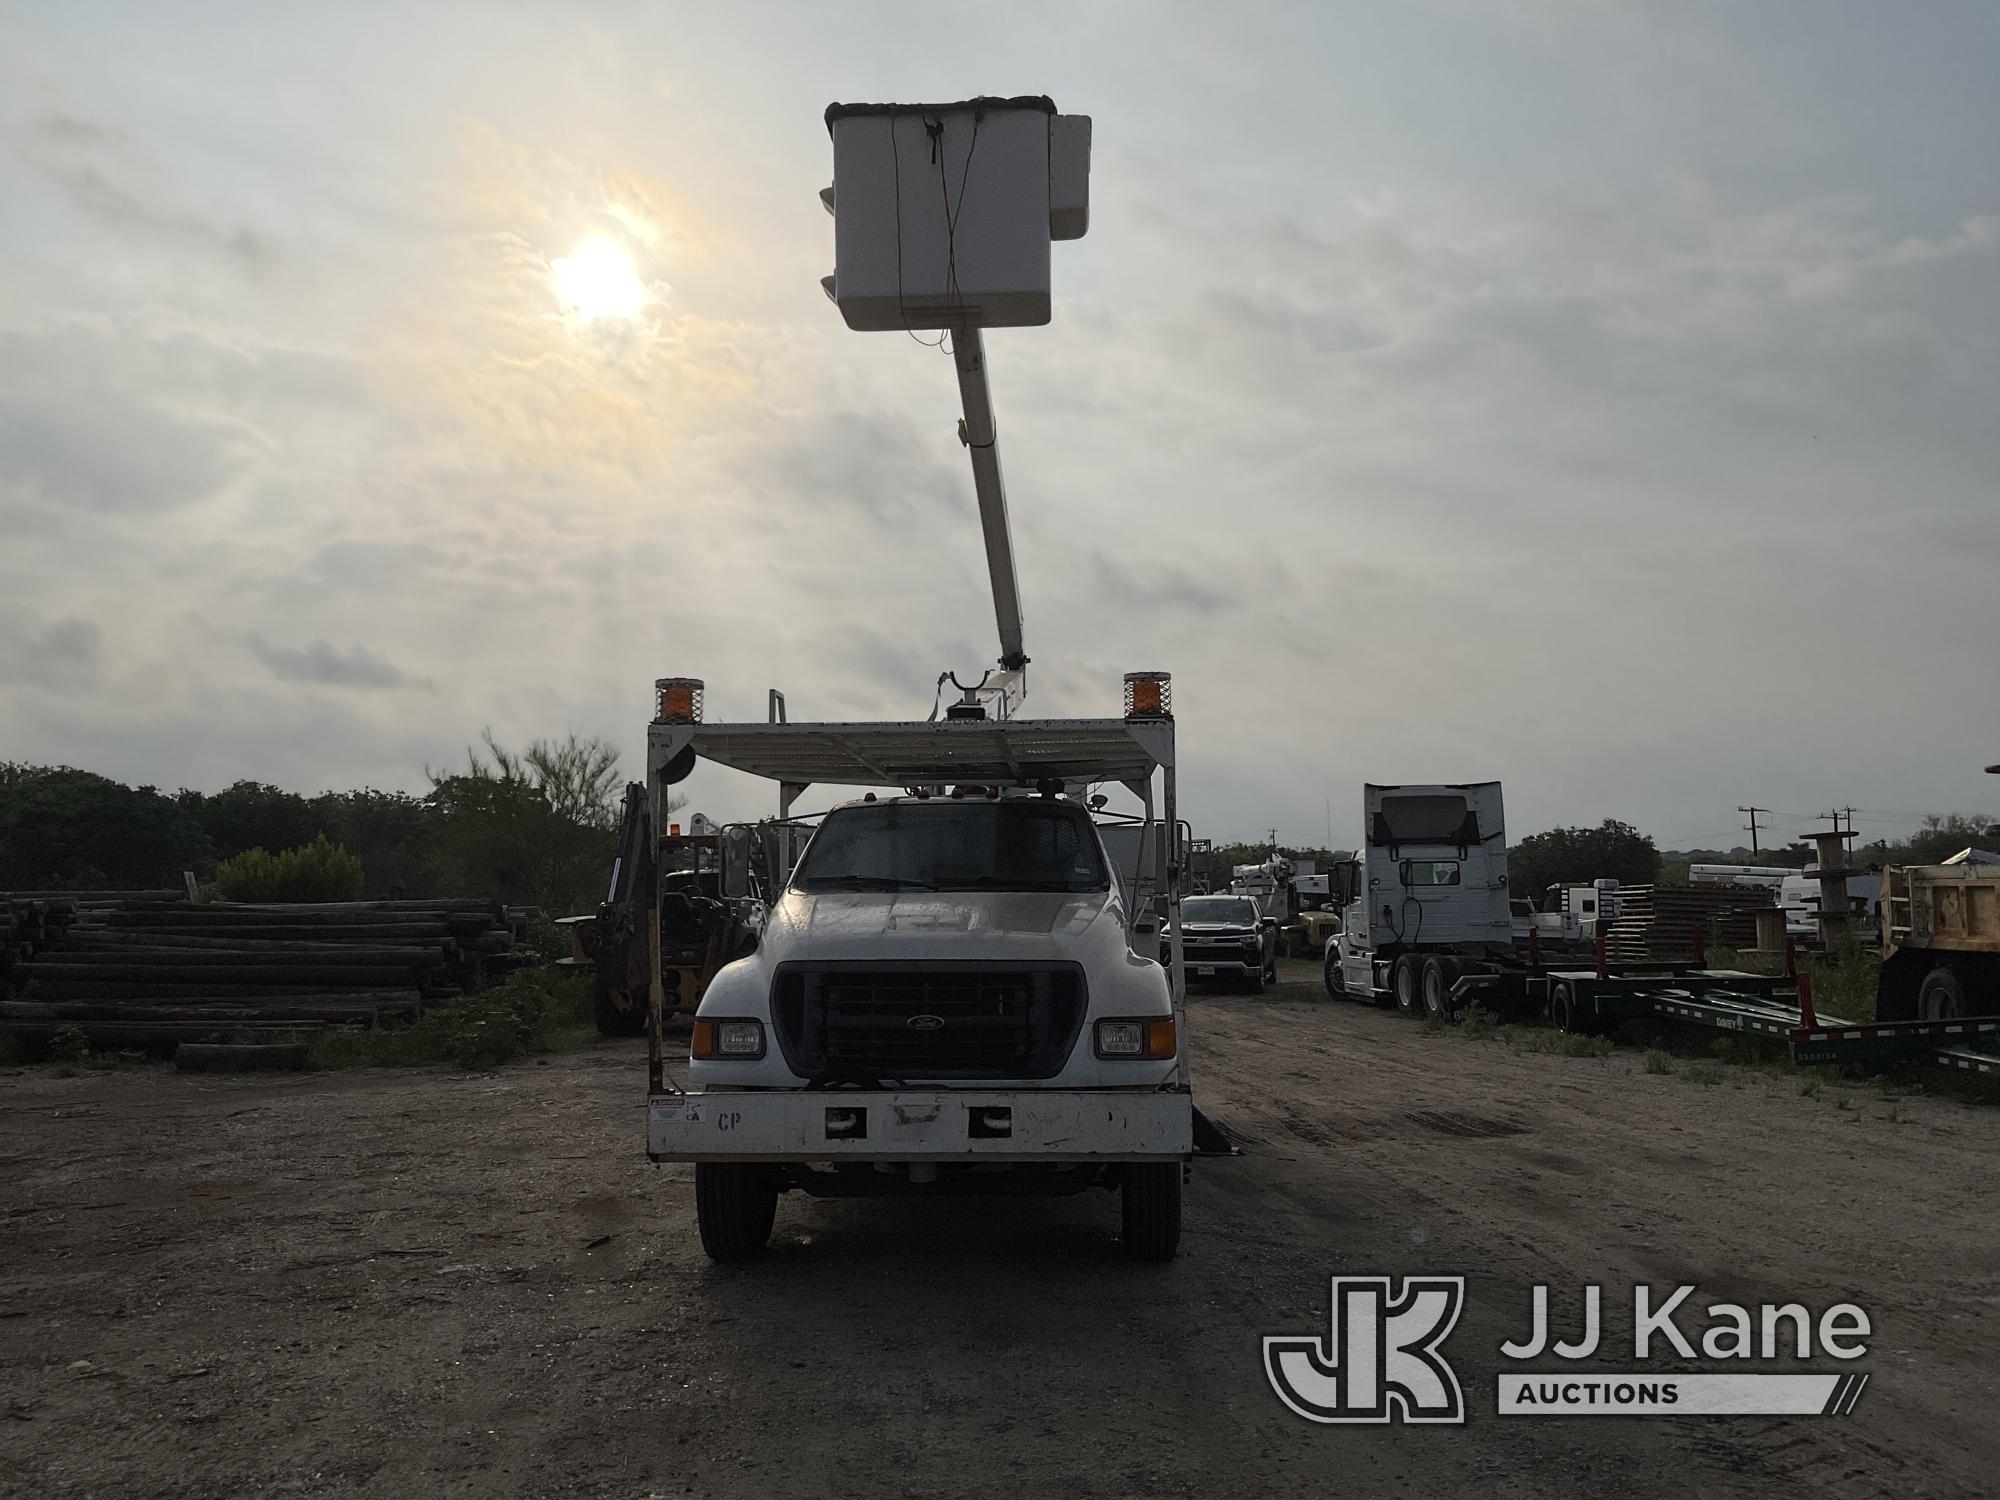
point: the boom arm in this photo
(1004, 690)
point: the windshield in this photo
(1218, 909)
(953, 846)
(1430, 818)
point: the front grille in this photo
(1218, 947)
(848, 1025)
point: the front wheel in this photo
(1150, 1196)
(1255, 983)
(735, 1204)
(1336, 982)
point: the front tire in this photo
(734, 1204)
(1150, 1199)
(1336, 981)
(1255, 983)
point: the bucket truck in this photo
(953, 991)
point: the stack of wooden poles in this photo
(150, 967)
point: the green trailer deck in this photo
(1597, 1000)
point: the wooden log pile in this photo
(1669, 923)
(149, 967)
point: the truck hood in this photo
(888, 926)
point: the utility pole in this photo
(1752, 824)
(1274, 841)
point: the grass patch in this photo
(1658, 1061)
(1477, 1022)
(1844, 984)
(1565, 1043)
(1707, 1074)
(530, 1011)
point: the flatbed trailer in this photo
(1596, 1000)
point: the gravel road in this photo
(416, 1283)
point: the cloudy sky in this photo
(1601, 398)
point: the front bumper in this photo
(1206, 965)
(936, 1125)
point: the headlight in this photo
(735, 1039)
(1147, 1038)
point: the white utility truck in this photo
(1430, 903)
(952, 991)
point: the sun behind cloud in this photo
(598, 281)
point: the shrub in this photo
(530, 1011)
(320, 871)
(69, 1049)
(1657, 1061)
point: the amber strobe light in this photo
(677, 700)
(1149, 695)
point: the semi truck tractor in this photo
(1429, 902)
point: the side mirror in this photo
(735, 863)
(1270, 922)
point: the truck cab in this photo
(939, 942)
(1431, 899)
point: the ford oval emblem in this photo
(924, 1023)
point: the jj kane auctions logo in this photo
(1382, 1359)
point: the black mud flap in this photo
(1209, 1139)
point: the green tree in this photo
(397, 838)
(1610, 851)
(252, 815)
(538, 826)
(61, 828)
(1940, 836)
(577, 777)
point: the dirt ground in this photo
(413, 1283)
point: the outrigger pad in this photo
(1209, 1139)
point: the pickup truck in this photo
(1227, 937)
